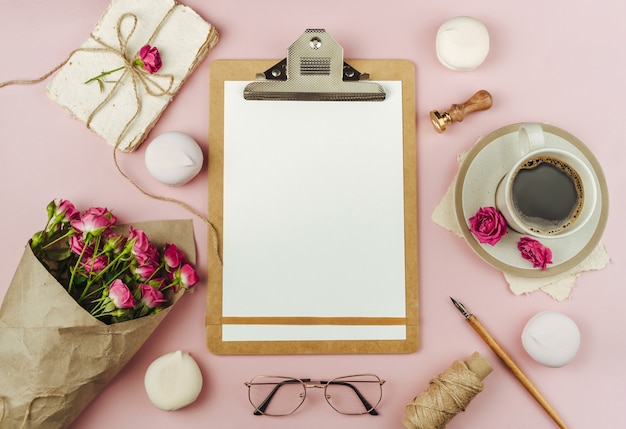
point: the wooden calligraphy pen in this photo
(504, 356)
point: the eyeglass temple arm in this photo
(368, 407)
(260, 410)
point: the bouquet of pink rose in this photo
(115, 278)
(84, 298)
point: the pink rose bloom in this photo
(95, 265)
(151, 297)
(488, 225)
(67, 210)
(121, 295)
(188, 276)
(102, 211)
(141, 242)
(148, 257)
(114, 243)
(91, 224)
(150, 59)
(94, 221)
(145, 271)
(535, 252)
(172, 256)
(143, 250)
(77, 245)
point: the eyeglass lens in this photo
(279, 396)
(276, 396)
(354, 394)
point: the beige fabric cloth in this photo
(558, 287)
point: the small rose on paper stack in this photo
(85, 296)
(114, 277)
(148, 58)
(488, 226)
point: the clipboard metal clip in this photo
(314, 70)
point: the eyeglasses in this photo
(281, 396)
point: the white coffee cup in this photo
(548, 192)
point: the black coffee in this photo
(547, 194)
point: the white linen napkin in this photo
(558, 286)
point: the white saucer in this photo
(475, 187)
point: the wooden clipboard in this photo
(245, 70)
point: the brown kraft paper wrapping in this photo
(54, 356)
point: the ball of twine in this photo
(448, 394)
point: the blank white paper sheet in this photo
(313, 218)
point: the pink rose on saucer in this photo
(488, 225)
(535, 252)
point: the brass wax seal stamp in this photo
(480, 101)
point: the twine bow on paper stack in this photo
(153, 84)
(179, 31)
(138, 76)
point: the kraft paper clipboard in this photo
(318, 239)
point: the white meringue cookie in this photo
(551, 338)
(174, 158)
(462, 43)
(173, 381)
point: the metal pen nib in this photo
(461, 308)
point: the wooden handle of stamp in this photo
(480, 101)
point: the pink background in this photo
(558, 62)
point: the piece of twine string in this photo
(138, 78)
(447, 395)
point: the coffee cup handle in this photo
(531, 137)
